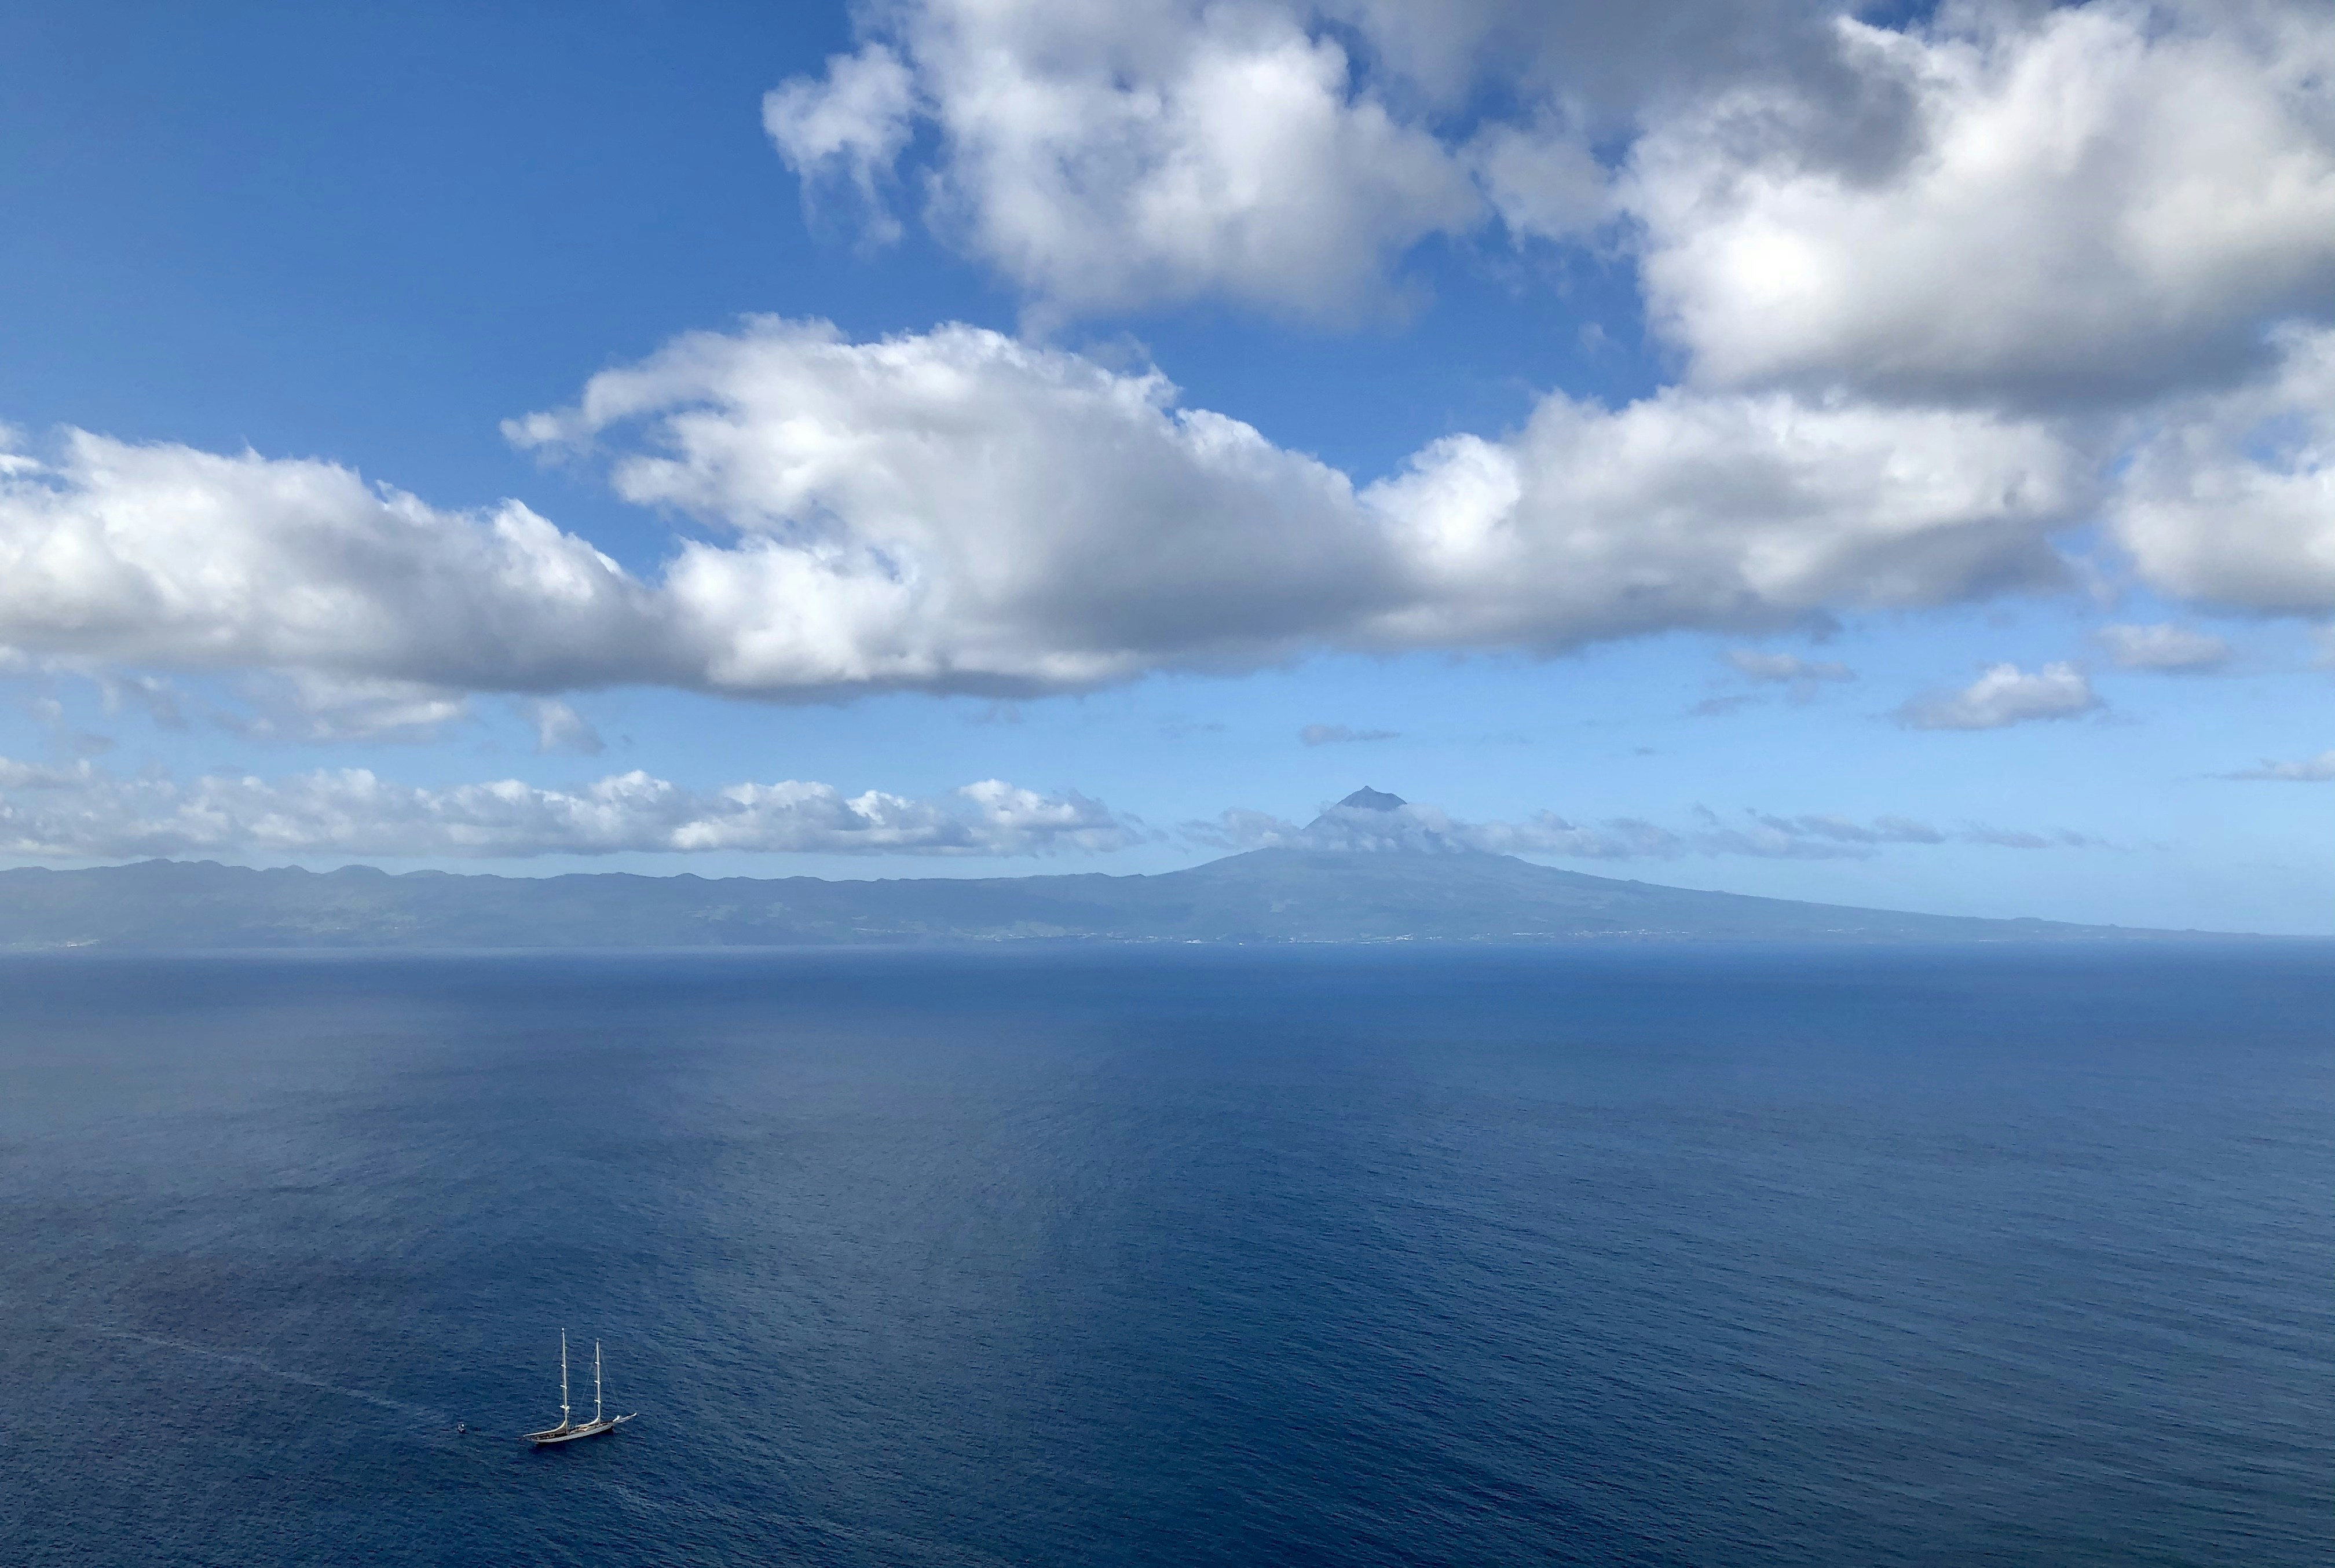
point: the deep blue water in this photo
(1340, 1256)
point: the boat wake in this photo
(254, 1364)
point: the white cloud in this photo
(2317, 770)
(849, 128)
(2164, 647)
(1717, 511)
(82, 813)
(1787, 668)
(2003, 695)
(2141, 187)
(2231, 499)
(2099, 201)
(163, 555)
(1119, 156)
(960, 511)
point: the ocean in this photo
(1692, 1256)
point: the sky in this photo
(1882, 455)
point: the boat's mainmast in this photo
(563, 1377)
(595, 1382)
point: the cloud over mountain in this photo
(1373, 822)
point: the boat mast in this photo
(595, 1382)
(563, 1377)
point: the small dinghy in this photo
(568, 1431)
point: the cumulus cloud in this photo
(2004, 694)
(846, 129)
(2231, 499)
(2319, 770)
(81, 812)
(1727, 512)
(2144, 190)
(163, 555)
(2143, 186)
(1119, 156)
(960, 510)
(2164, 647)
(2140, 188)
(1340, 734)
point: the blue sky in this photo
(1874, 457)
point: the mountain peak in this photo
(1368, 800)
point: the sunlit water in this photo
(1363, 1256)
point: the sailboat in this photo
(568, 1431)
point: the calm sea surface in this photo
(1338, 1256)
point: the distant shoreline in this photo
(1267, 898)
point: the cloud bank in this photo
(2145, 188)
(1808, 197)
(960, 511)
(2147, 191)
(83, 812)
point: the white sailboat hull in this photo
(581, 1429)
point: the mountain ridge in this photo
(1264, 895)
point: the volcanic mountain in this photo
(1368, 869)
